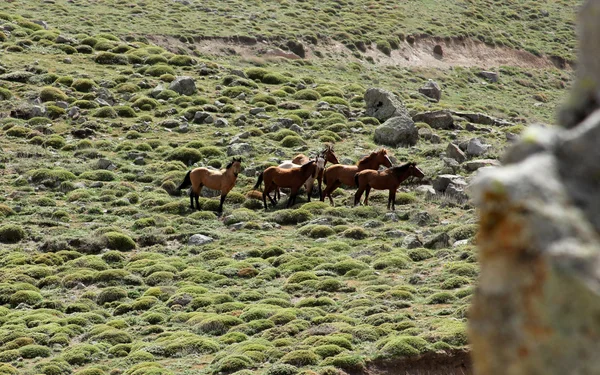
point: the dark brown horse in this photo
(389, 179)
(328, 154)
(223, 180)
(275, 177)
(339, 174)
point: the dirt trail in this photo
(455, 52)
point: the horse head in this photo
(330, 155)
(236, 165)
(415, 171)
(383, 158)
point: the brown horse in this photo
(328, 154)
(336, 175)
(293, 179)
(388, 179)
(223, 180)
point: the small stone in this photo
(199, 240)
(256, 111)
(490, 76)
(454, 152)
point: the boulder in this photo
(441, 182)
(18, 76)
(411, 242)
(431, 90)
(490, 76)
(221, 123)
(438, 241)
(239, 149)
(454, 152)
(476, 147)
(482, 119)
(199, 240)
(203, 118)
(183, 85)
(399, 130)
(436, 119)
(63, 39)
(28, 111)
(539, 239)
(383, 104)
(474, 165)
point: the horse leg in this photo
(357, 196)
(192, 194)
(198, 197)
(393, 198)
(367, 191)
(268, 190)
(221, 203)
(335, 185)
(309, 188)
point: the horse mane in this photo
(230, 164)
(305, 165)
(371, 155)
(402, 168)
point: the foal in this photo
(293, 178)
(223, 180)
(388, 179)
(339, 174)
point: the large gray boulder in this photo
(383, 104)
(431, 90)
(537, 300)
(436, 119)
(183, 85)
(400, 130)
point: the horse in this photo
(223, 180)
(308, 184)
(388, 179)
(339, 174)
(328, 154)
(275, 177)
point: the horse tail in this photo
(260, 180)
(325, 177)
(356, 179)
(187, 182)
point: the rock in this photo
(289, 105)
(439, 241)
(256, 111)
(425, 133)
(67, 60)
(203, 118)
(102, 102)
(383, 105)
(456, 191)
(411, 242)
(239, 73)
(483, 119)
(97, 185)
(436, 119)
(373, 224)
(61, 104)
(63, 39)
(441, 182)
(239, 149)
(183, 85)
(426, 190)
(296, 128)
(476, 147)
(452, 164)
(422, 218)
(460, 243)
(490, 76)
(438, 50)
(105, 164)
(18, 76)
(474, 165)
(436, 139)
(454, 152)
(28, 111)
(43, 24)
(221, 123)
(399, 130)
(157, 90)
(199, 240)
(512, 137)
(391, 216)
(394, 233)
(237, 226)
(431, 90)
(183, 128)
(139, 161)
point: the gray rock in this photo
(157, 90)
(63, 39)
(239, 73)
(43, 24)
(296, 128)
(183, 85)
(394, 233)
(183, 128)
(18, 76)
(431, 90)
(221, 123)
(461, 243)
(373, 224)
(256, 111)
(105, 164)
(411, 242)
(422, 218)
(391, 216)
(97, 185)
(399, 130)
(203, 118)
(425, 133)
(483, 119)
(237, 226)
(474, 165)
(63, 105)
(102, 102)
(456, 191)
(441, 182)
(426, 190)
(454, 152)
(28, 111)
(476, 147)
(438, 241)
(437, 119)
(452, 164)
(139, 161)
(490, 76)
(239, 149)
(199, 240)
(383, 105)
(436, 139)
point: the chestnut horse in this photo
(388, 179)
(223, 180)
(293, 179)
(328, 154)
(308, 184)
(339, 174)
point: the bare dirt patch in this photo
(455, 52)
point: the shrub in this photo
(185, 155)
(307, 94)
(464, 232)
(159, 70)
(355, 233)
(18, 131)
(403, 346)
(111, 294)
(80, 354)
(395, 261)
(300, 358)
(5, 94)
(34, 351)
(182, 60)
(11, 233)
(233, 92)
(144, 103)
(113, 337)
(105, 112)
(119, 241)
(125, 111)
(52, 94)
(83, 85)
(264, 98)
(282, 369)
(292, 141)
(256, 73)
(441, 298)
(420, 254)
(90, 371)
(28, 297)
(51, 176)
(109, 58)
(274, 79)
(289, 217)
(5, 210)
(320, 231)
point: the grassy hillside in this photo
(97, 274)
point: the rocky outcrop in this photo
(400, 130)
(537, 301)
(383, 105)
